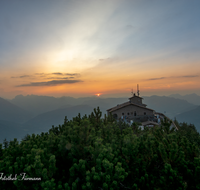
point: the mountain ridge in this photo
(11, 112)
(191, 98)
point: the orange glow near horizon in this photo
(88, 83)
(98, 94)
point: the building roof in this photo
(135, 97)
(126, 104)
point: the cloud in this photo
(190, 76)
(68, 74)
(157, 78)
(57, 73)
(59, 77)
(23, 76)
(104, 59)
(72, 74)
(50, 83)
(39, 73)
(185, 76)
(48, 75)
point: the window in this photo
(122, 113)
(135, 113)
(128, 113)
(131, 113)
(144, 113)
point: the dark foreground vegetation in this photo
(100, 154)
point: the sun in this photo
(98, 94)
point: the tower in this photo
(136, 99)
(132, 92)
(138, 92)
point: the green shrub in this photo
(94, 153)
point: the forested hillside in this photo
(93, 153)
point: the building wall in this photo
(131, 109)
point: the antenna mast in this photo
(138, 92)
(132, 92)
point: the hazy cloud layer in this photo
(39, 73)
(50, 83)
(57, 73)
(23, 76)
(157, 78)
(104, 59)
(71, 75)
(186, 76)
(190, 76)
(68, 74)
(64, 74)
(57, 78)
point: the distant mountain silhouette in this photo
(168, 105)
(43, 122)
(41, 104)
(192, 116)
(191, 98)
(11, 112)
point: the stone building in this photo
(135, 111)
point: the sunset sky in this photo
(85, 47)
